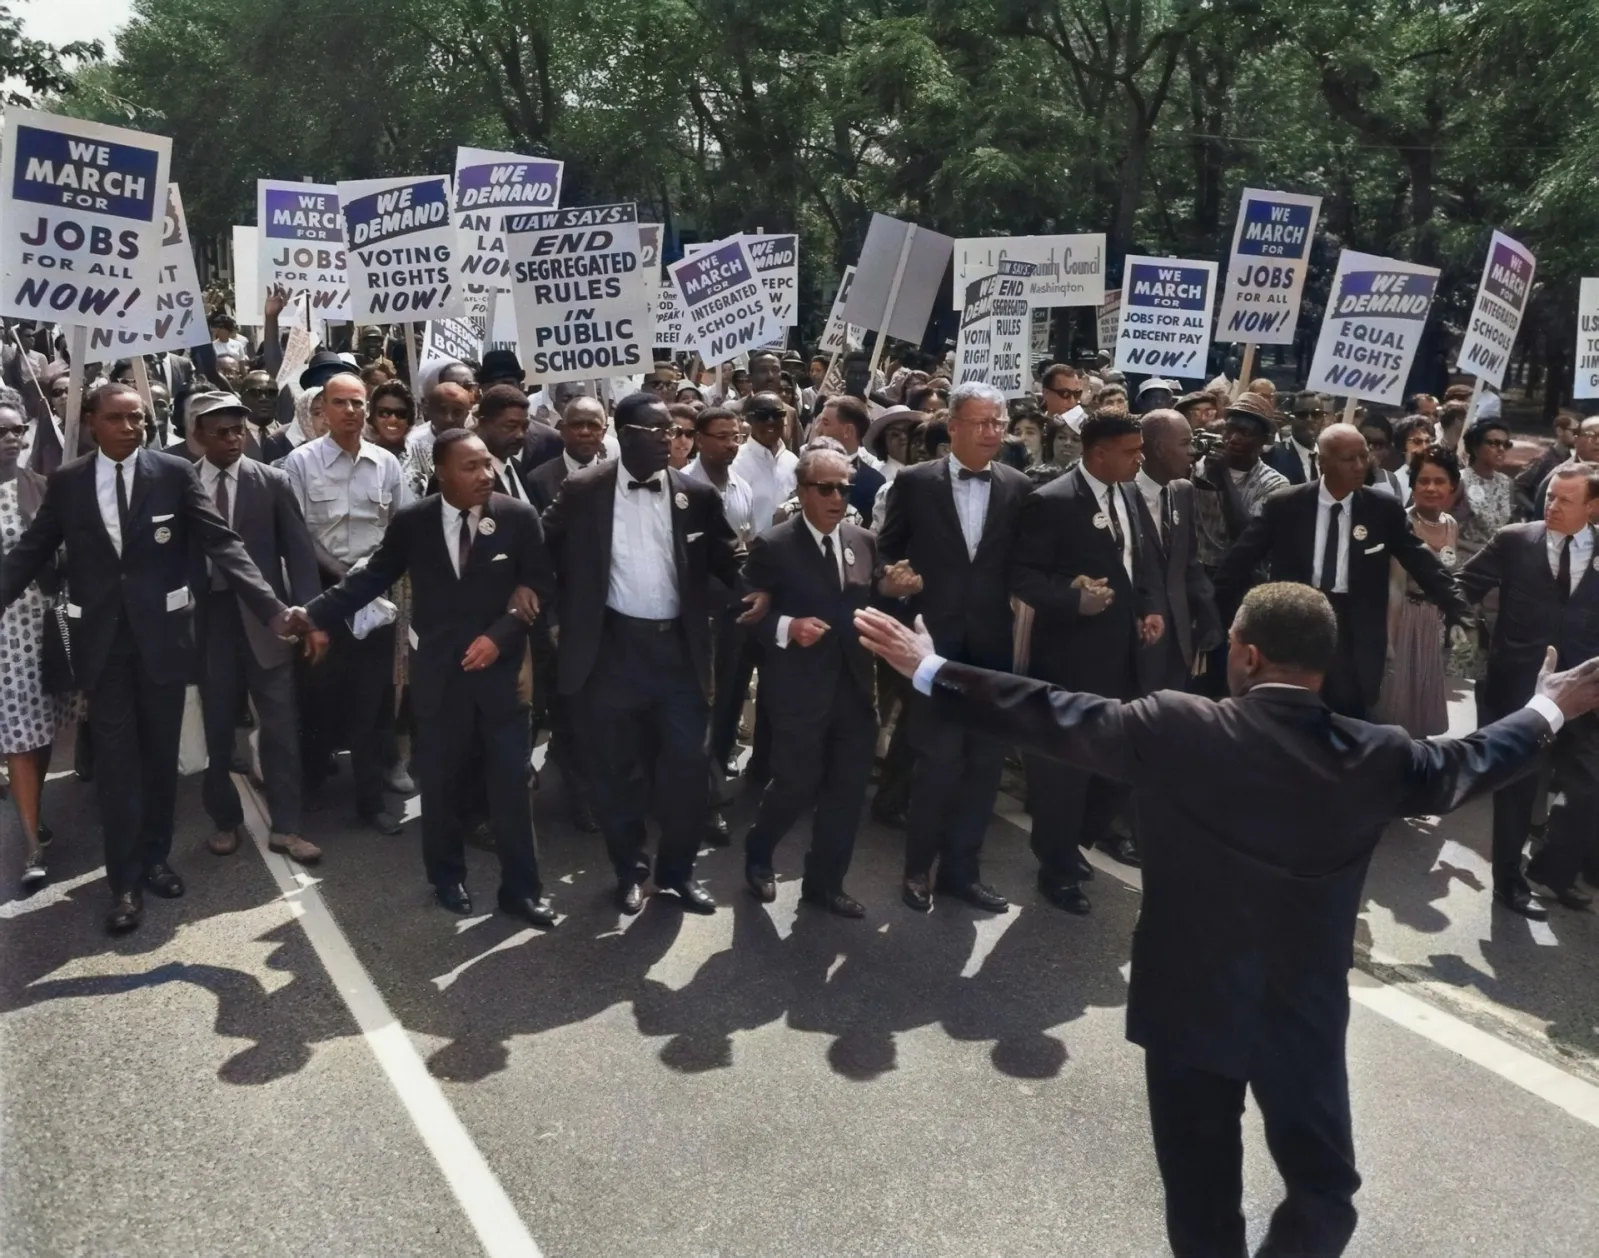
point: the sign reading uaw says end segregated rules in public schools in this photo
(1165, 317)
(1372, 328)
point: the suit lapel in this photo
(675, 495)
(482, 540)
(142, 476)
(606, 486)
(87, 472)
(944, 494)
(1587, 568)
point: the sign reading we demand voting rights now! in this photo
(401, 248)
(81, 212)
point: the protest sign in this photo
(1007, 368)
(1108, 318)
(839, 337)
(453, 340)
(1165, 317)
(897, 279)
(301, 245)
(579, 292)
(179, 304)
(726, 311)
(1038, 341)
(401, 247)
(487, 184)
(1585, 382)
(1374, 318)
(1070, 269)
(499, 324)
(649, 263)
(1496, 317)
(671, 320)
(776, 260)
(80, 222)
(297, 350)
(1266, 272)
(974, 343)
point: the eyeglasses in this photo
(765, 417)
(9, 430)
(1064, 392)
(828, 488)
(390, 412)
(683, 432)
(661, 432)
(261, 390)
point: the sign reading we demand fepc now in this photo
(81, 211)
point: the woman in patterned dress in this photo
(29, 717)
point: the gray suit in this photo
(1193, 625)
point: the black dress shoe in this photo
(583, 818)
(538, 912)
(1519, 900)
(835, 902)
(693, 897)
(917, 894)
(716, 832)
(1068, 897)
(381, 821)
(978, 894)
(161, 880)
(1121, 847)
(453, 896)
(762, 883)
(630, 898)
(127, 911)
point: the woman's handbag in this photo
(56, 652)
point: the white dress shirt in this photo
(1109, 500)
(1151, 489)
(771, 477)
(452, 529)
(1324, 505)
(347, 500)
(1581, 554)
(573, 466)
(105, 490)
(784, 622)
(971, 503)
(738, 503)
(643, 581)
(1305, 456)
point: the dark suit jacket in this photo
(577, 529)
(500, 487)
(266, 516)
(150, 580)
(1284, 537)
(786, 562)
(1261, 814)
(1193, 624)
(1286, 461)
(544, 482)
(965, 601)
(448, 612)
(1056, 541)
(541, 444)
(1532, 616)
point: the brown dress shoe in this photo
(295, 848)
(224, 842)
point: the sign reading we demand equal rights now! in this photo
(1372, 327)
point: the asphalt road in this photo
(330, 1065)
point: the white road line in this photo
(51, 893)
(499, 1228)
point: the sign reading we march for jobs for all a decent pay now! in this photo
(725, 307)
(81, 216)
(581, 298)
(1496, 314)
(1165, 317)
(401, 248)
(301, 244)
(1372, 327)
(1266, 272)
(488, 183)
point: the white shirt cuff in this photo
(783, 622)
(1546, 707)
(922, 679)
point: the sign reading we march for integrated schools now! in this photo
(179, 303)
(487, 184)
(1496, 315)
(1375, 314)
(580, 293)
(401, 248)
(301, 244)
(81, 209)
(1266, 273)
(725, 306)
(1165, 317)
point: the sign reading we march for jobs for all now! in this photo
(581, 298)
(401, 248)
(1165, 317)
(1372, 327)
(301, 244)
(1496, 314)
(726, 310)
(81, 216)
(1266, 272)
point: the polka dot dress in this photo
(28, 717)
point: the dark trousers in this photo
(1196, 1118)
(1071, 809)
(345, 700)
(136, 722)
(1572, 843)
(458, 747)
(952, 794)
(644, 694)
(735, 654)
(1341, 690)
(823, 759)
(230, 664)
(1513, 807)
(554, 711)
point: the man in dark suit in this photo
(1081, 563)
(127, 516)
(1263, 812)
(846, 420)
(951, 524)
(472, 554)
(1298, 457)
(635, 546)
(819, 572)
(1548, 599)
(238, 651)
(582, 429)
(1193, 625)
(1338, 534)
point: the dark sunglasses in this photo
(683, 432)
(659, 431)
(828, 488)
(391, 412)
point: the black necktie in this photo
(1563, 576)
(654, 486)
(1116, 534)
(1329, 550)
(122, 505)
(968, 474)
(463, 544)
(1165, 513)
(1314, 474)
(218, 581)
(828, 553)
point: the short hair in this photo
(588, 402)
(704, 417)
(222, 319)
(497, 398)
(853, 411)
(1451, 413)
(815, 450)
(1107, 425)
(91, 403)
(1478, 433)
(1381, 424)
(1566, 471)
(682, 411)
(1410, 424)
(394, 389)
(1440, 457)
(973, 391)
(932, 434)
(446, 440)
(1055, 369)
(629, 407)
(1292, 625)
(1457, 393)
(1418, 400)
(10, 397)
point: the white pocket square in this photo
(1372, 550)
(156, 519)
(694, 537)
(500, 556)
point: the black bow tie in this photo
(654, 486)
(968, 474)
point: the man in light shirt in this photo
(764, 462)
